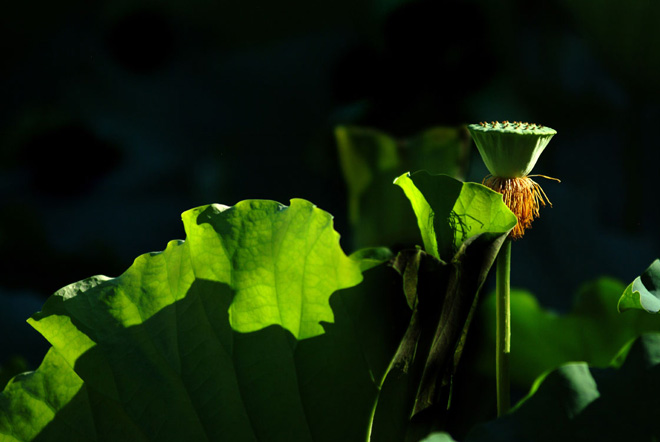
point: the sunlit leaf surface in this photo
(449, 212)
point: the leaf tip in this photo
(405, 175)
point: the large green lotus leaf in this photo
(542, 340)
(575, 403)
(246, 331)
(449, 211)
(371, 159)
(644, 292)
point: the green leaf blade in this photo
(423, 211)
(644, 292)
(481, 211)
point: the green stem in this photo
(503, 312)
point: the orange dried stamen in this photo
(523, 196)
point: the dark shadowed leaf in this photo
(592, 331)
(576, 402)
(473, 222)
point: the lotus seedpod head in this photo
(510, 150)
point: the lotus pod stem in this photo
(510, 152)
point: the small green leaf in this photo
(644, 292)
(449, 212)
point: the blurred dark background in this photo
(116, 116)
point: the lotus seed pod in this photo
(510, 150)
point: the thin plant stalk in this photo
(503, 324)
(510, 151)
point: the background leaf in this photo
(155, 355)
(371, 159)
(644, 292)
(542, 340)
(576, 402)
